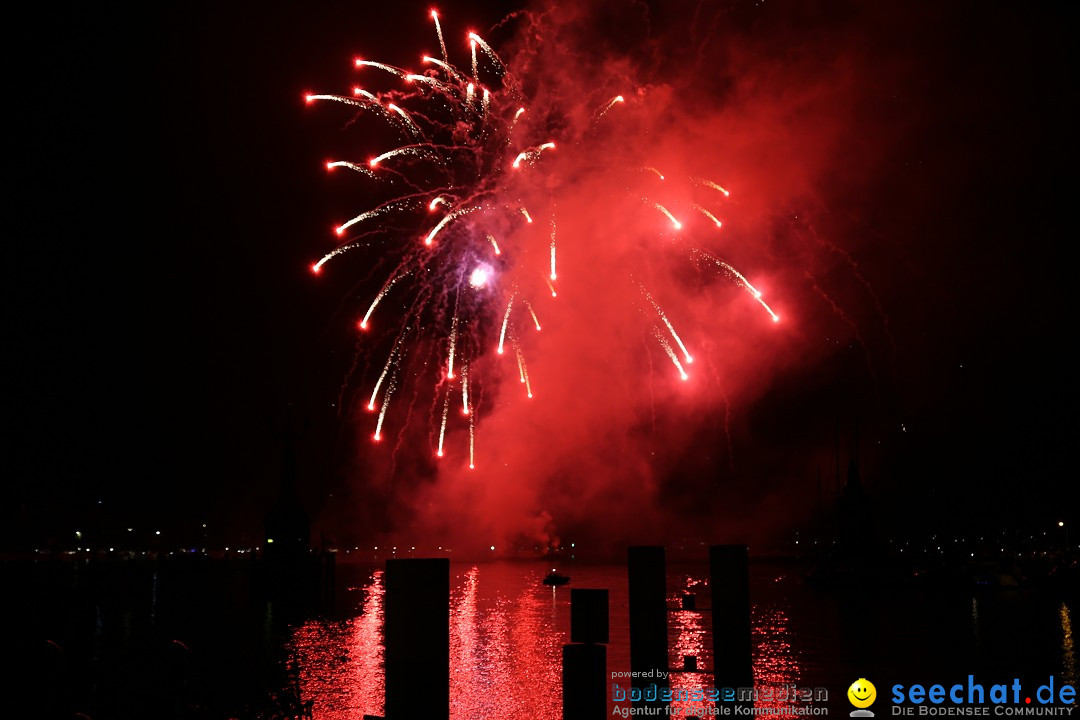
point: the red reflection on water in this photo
(341, 662)
(505, 651)
(506, 635)
(776, 666)
(775, 663)
(504, 647)
(687, 637)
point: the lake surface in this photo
(200, 640)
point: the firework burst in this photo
(454, 234)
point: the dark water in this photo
(204, 639)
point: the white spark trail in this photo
(532, 154)
(453, 345)
(438, 29)
(610, 104)
(337, 98)
(505, 322)
(382, 411)
(708, 214)
(352, 166)
(392, 206)
(465, 389)
(381, 66)
(414, 129)
(450, 69)
(378, 299)
(472, 443)
(703, 182)
(533, 313)
(382, 377)
(740, 280)
(670, 353)
(661, 208)
(447, 220)
(670, 327)
(442, 427)
(488, 51)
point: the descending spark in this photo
(506, 320)
(655, 171)
(519, 113)
(352, 166)
(523, 211)
(533, 313)
(335, 98)
(453, 346)
(465, 390)
(740, 280)
(550, 286)
(416, 150)
(413, 128)
(381, 210)
(382, 411)
(472, 442)
(438, 29)
(382, 377)
(442, 427)
(670, 327)
(775, 317)
(373, 102)
(670, 353)
(610, 104)
(708, 214)
(447, 220)
(521, 367)
(491, 239)
(552, 247)
(413, 77)
(317, 267)
(378, 298)
(475, 72)
(386, 68)
(532, 153)
(488, 51)
(710, 184)
(487, 100)
(523, 371)
(436, 203)
(450, 69)
(661, 208)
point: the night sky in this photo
(162, 329)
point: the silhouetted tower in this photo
(855, 526)
(288, 527)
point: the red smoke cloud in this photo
(615, 447)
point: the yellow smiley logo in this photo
(862, 693)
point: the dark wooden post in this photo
(729, 577)
(417, 629)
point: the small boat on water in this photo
(554, 579)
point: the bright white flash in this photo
(479, 277)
